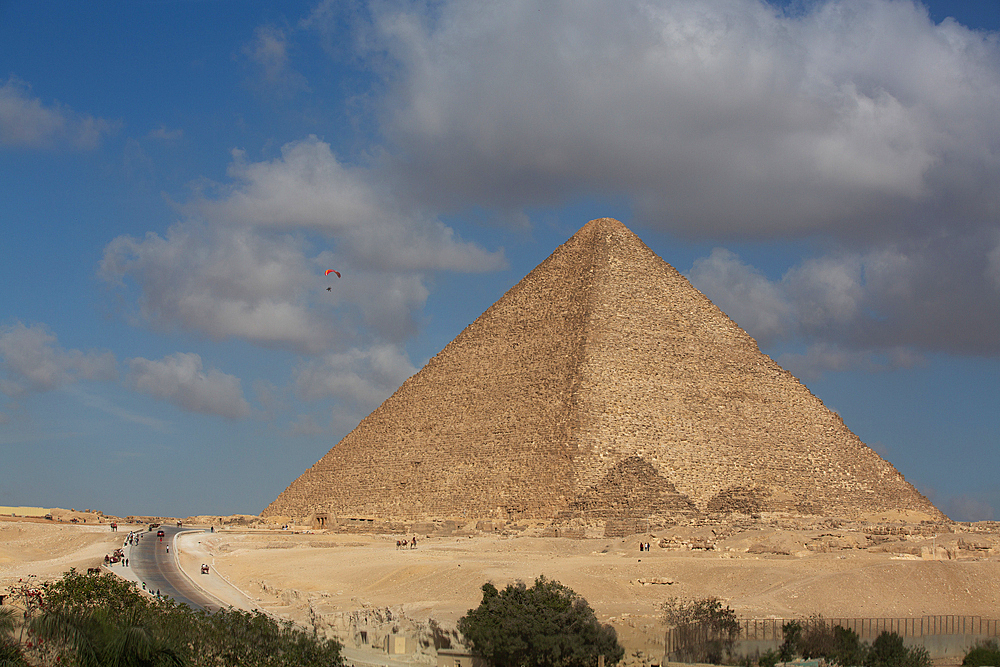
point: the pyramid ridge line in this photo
(603, 353)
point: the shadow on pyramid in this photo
(603, 387)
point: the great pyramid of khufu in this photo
(603, 386)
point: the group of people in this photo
(643, 546)
(403, 543)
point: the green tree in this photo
(547, 625)
(706, 630)
(10, 652)
(791, 633)
(983, 653)
(101, 620)
(77, 592)
(888, 650)
(818, 639)
(97, 637)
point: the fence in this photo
(769, 629)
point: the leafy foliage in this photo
(984, 653)
(10, 652)
(547, 625)
(77, 592)
(98, 637)
(817, 639)
(706, 630)
(888, 650)
(841, 646)
(102, 620)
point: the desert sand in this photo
(361, 587)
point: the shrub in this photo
(888, 651)
(791, 633)
(98, 620)
(547, 625)
(769, 659)
(984, 653)
(706, 630)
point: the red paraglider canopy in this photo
(329, 271)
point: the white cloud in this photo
(361, 377)
(881, 308)
(745, 294)
(242, 267)
(308, 188)
(180, 379)
(269, 53)
(33, 361)
(222, 281)
(25, 122)
(163, 134)
(710, 116)
(305, 425)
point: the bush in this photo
(547, 625)
(835, 644)
(769, 659)
(841, 646)
(984, 653)
(888, 651)
(10, 652)
(102, 620)
(706, 630)
(791, 632)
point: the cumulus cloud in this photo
(26, 122)
(180, 379)
(308, 188)
(268, 52)
(243, 266)
(32, 361)
(881, 308)
(745, 294)
(163, 134)
(713, 117)
(859, 122)
(223, 282)
(362, 378)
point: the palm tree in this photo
(10, 652)
(98, 638)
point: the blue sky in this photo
(176, 176)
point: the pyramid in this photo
(603, 386)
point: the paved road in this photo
(159, 571)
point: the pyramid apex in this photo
(604, 225)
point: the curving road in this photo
(158, 569)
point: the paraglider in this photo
(328, 272)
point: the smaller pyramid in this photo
(602, 386)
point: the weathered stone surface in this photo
(601, 386)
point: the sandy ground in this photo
(345, 583)
(361, 588)
(46, 549)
